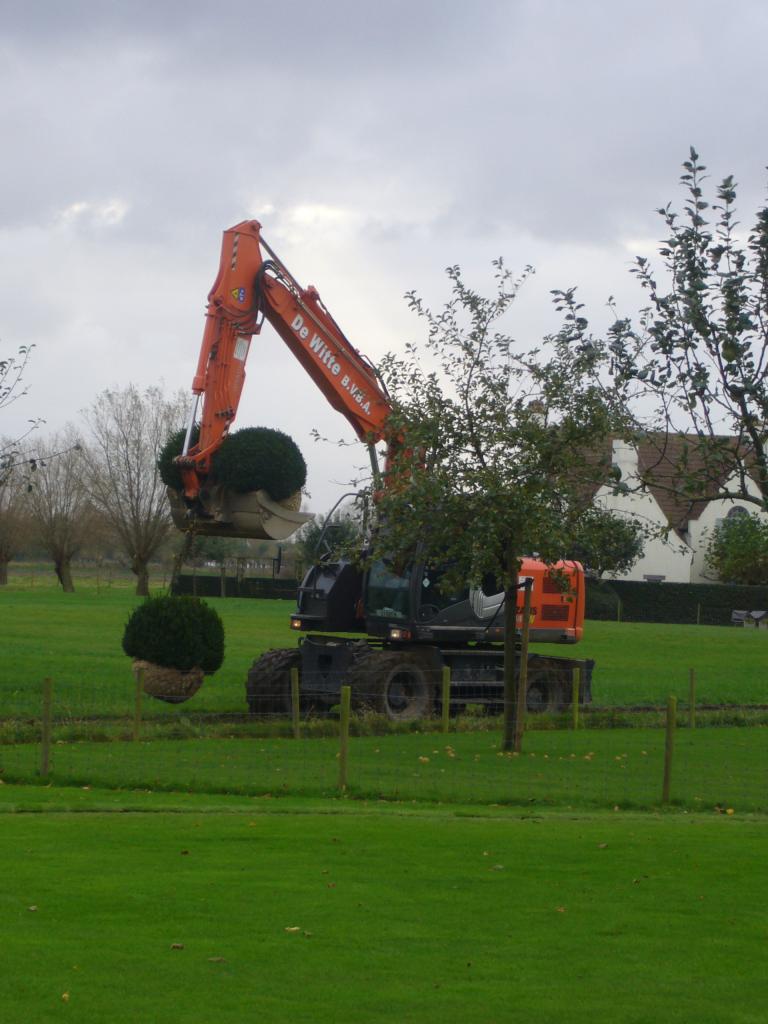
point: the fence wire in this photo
(603, 756)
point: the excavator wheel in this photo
(393, 684)
(268, 687)
(545, 689)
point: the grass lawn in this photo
(175, 880)
(282, 912)
(75, 639)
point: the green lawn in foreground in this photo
(725, 767)
(75, 639)
(381, 917)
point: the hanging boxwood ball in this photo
(174, 642)
(176, 632)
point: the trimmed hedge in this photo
(710, 604)
(251, 459)
(204, 585)
(176, 632)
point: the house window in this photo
(736, 512)
(654, 579)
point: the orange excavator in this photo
(400, 627)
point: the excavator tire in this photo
(268, 687)
(546, 688)
(393, 684)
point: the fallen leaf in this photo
(293, 928)
(730, 811)
(32, 908)
(602, 846)
(216, 960)
(177, 945)
(560, 910)
(65, 997)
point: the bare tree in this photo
(14, 515)
(12, 370)
(128, 428)
(61, 511)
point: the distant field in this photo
(75, 639)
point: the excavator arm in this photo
(253, 285)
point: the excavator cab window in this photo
(434, 592)
(439, 602)
(388, 593)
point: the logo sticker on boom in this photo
(238, 294)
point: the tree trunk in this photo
(4, 572)
(511, 658)
(63, 569)
(180, 558)
(141, 569)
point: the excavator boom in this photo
(249, 288)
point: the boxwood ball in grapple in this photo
(251, 459)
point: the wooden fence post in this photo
(522, 680)
(575, 695)
(223, 580)
(45, 738)
(346, 696)
(669, 747)
(137, 705)
(446, 705)
(691, 698)
(295, 703)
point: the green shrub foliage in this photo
(170, 473)
(257, 458)
(176, 632)
(251, 459)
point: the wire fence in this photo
(381, 749)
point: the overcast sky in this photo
(376, 142)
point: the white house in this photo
(680, 557)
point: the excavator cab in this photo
(413, 603)
(403, 602)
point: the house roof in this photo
(673, 467)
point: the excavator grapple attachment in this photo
(221, 512)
